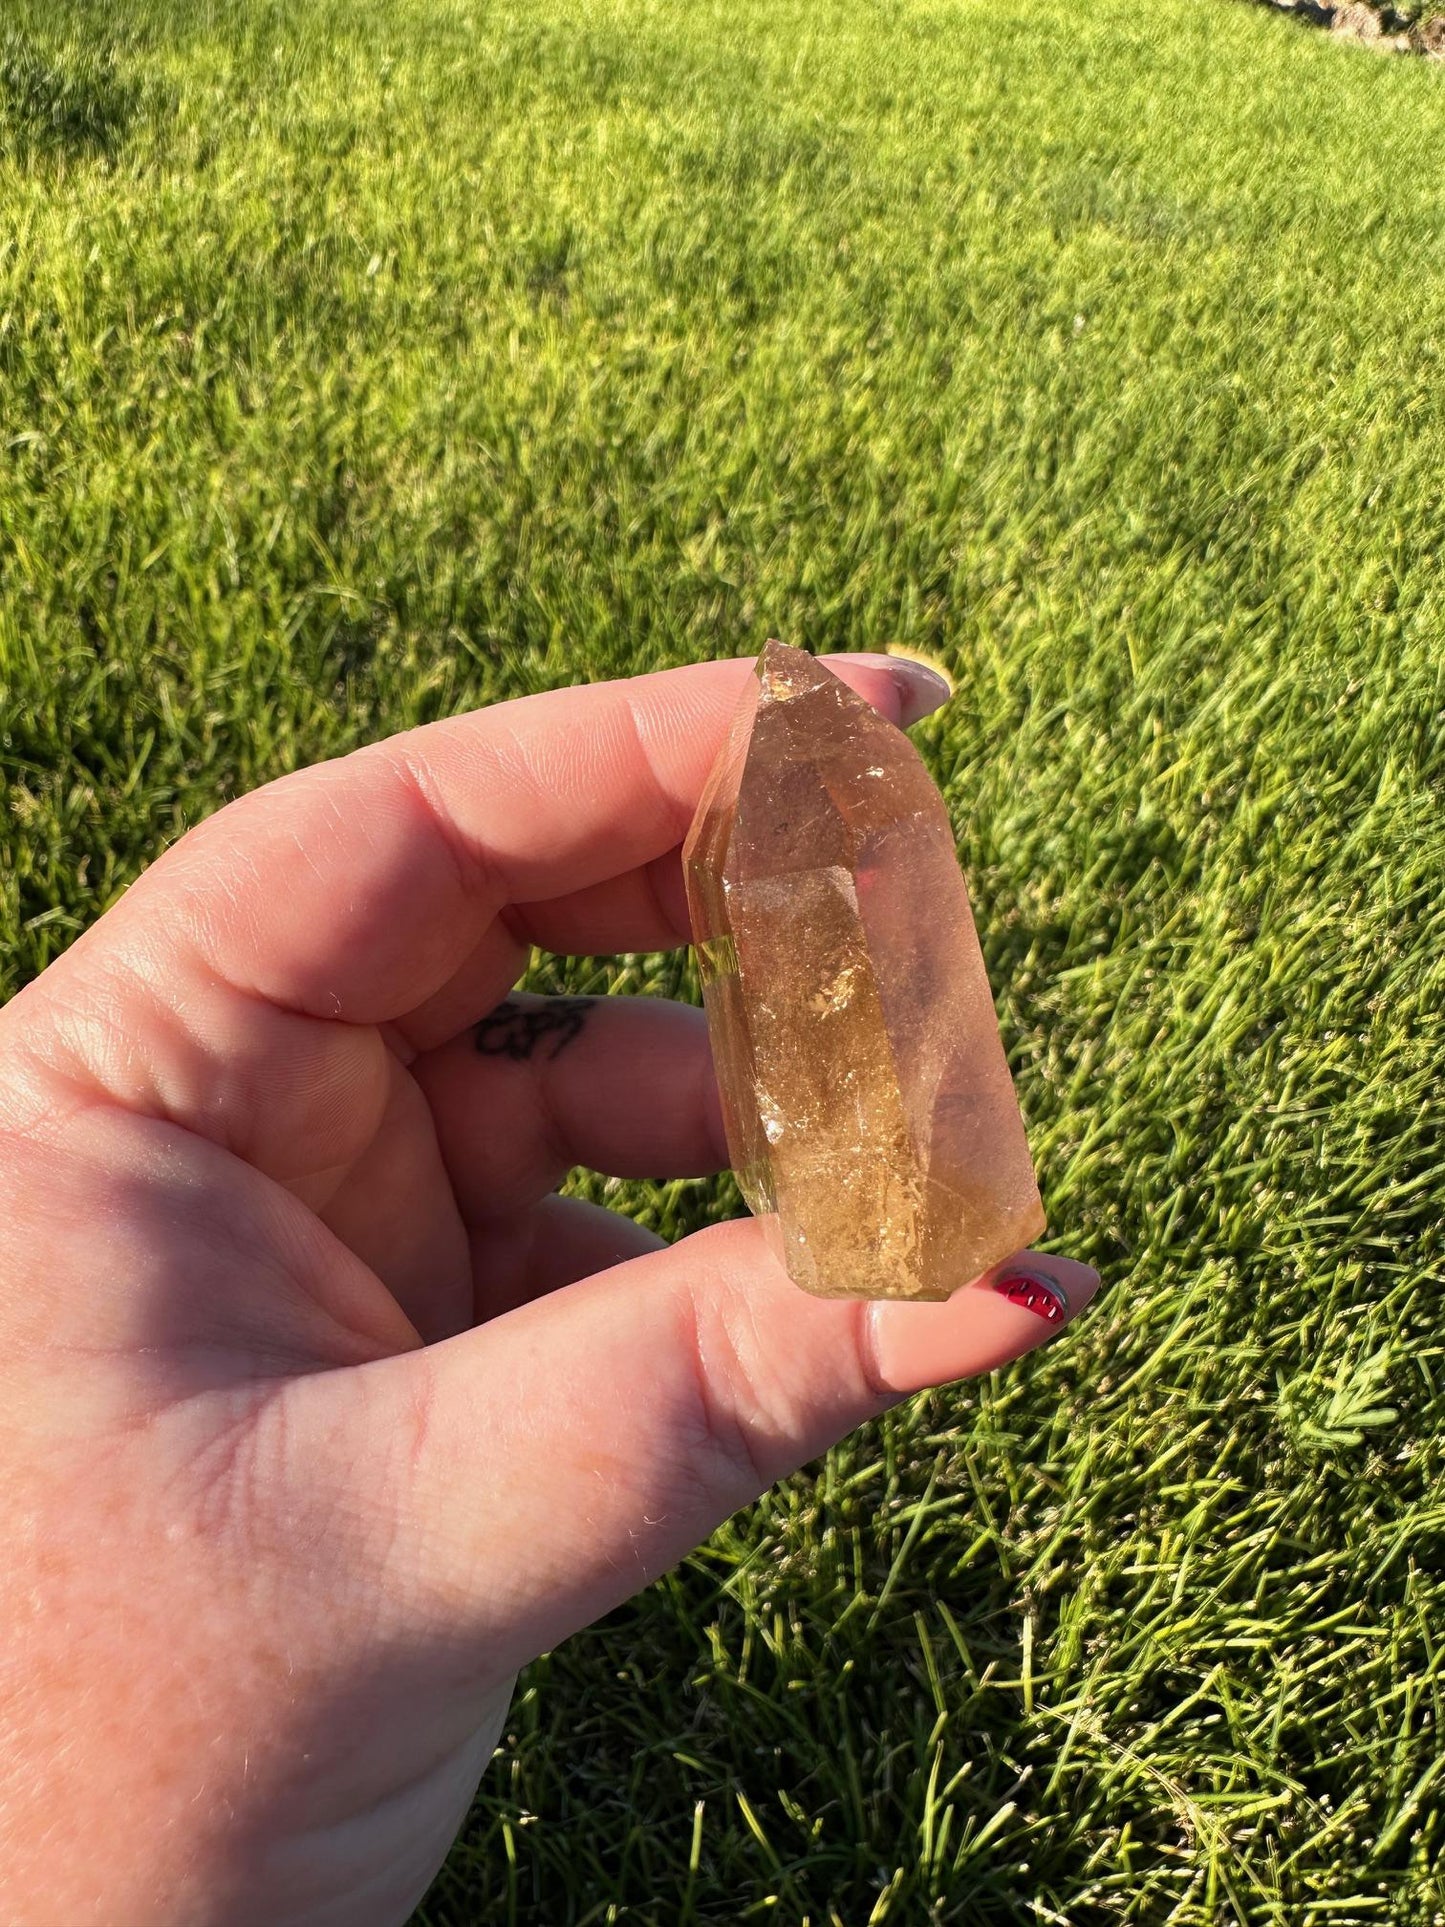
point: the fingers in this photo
(394, 1208)
(399, 886)
(623, 1085)
(584, 1442)
(355, 889)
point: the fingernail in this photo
(921, 690)
(978, 1328)
(1037, 1291)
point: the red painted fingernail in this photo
(1037, 1292)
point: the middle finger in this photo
(623, 1085)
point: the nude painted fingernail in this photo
(921, 690)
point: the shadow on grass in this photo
(67, 102)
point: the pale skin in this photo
(320, 1412)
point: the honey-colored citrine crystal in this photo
(870, 1115)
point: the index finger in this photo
(356, 889)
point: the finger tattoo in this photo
(519, 1031)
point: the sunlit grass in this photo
(361, 362)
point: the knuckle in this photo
(727, 1427)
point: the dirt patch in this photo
(1371, 23)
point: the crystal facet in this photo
(870, 1115)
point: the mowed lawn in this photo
(362, 360)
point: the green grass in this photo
(363, 361)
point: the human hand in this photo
(320, 1413)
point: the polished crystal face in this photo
(870, 1114)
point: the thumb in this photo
(555, 1460)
